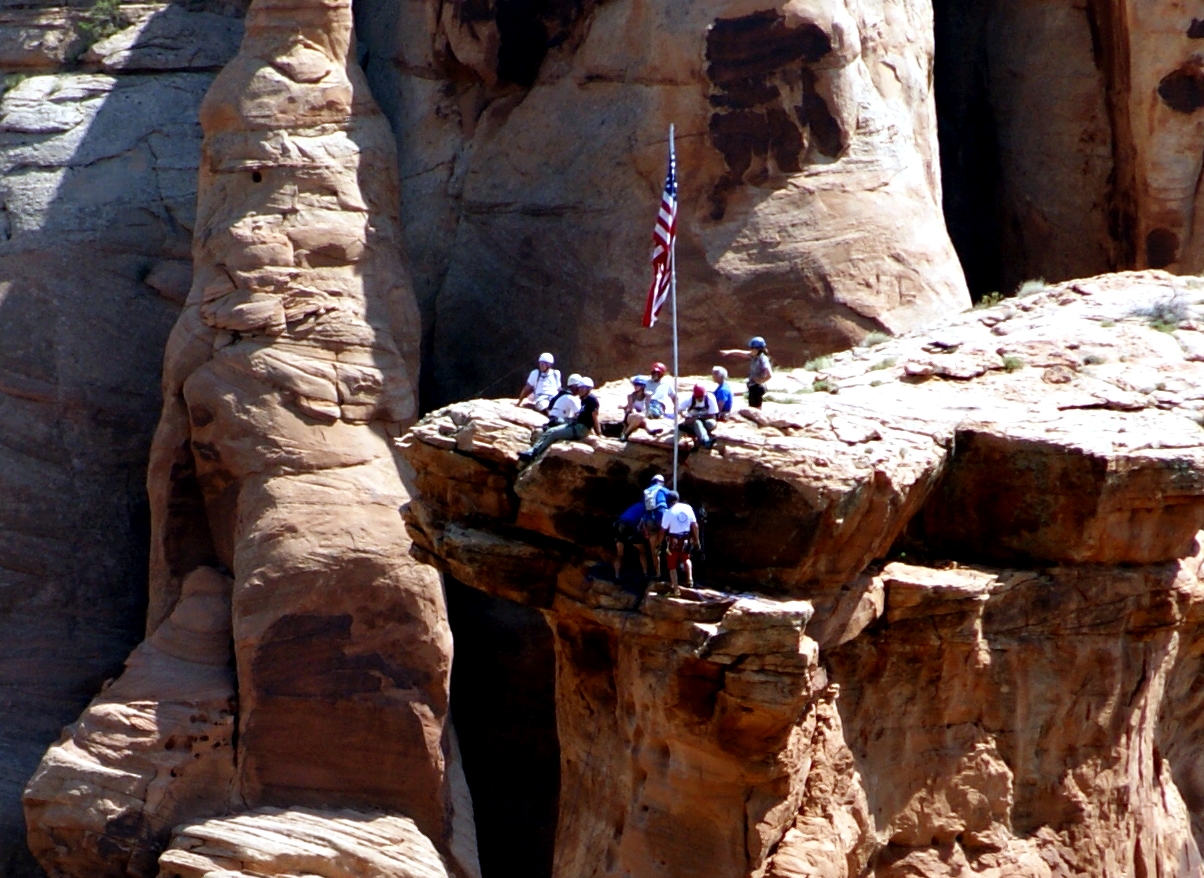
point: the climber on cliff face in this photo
(585, 422)
(655, 503)
(629, 533)
(543, 383)
(759, 368)
(681, 525)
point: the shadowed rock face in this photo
(1072, 137)
(863, 689)
(807, 168)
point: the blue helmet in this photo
(756, 342)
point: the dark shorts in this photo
(756, 393)
(627, 534)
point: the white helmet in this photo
(573, 381)
(586, 382)
(547, 358)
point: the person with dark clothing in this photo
(759, 369)
(585, 422)
(628, 533)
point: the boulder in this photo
(302, 841)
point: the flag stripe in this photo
(663, 235)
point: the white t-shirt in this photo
(662, 392)
(566, 407)
(546, 384)
(706, 407)
(678, 518)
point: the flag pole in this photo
(673, 296)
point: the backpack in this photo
(651, 496)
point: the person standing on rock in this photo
(759, 369)
(585, 422)
(543, 383)
(681, 525)
(656, 501)
(629, 533)
(723, 392)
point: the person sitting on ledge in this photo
(699, 414)
(585, 421)
(657, 397)
(566, 403)
(723, 392)
(542, 384)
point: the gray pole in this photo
(673, 295)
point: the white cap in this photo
(586, 382)
(547, 358)
(573, 381)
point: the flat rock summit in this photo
(283, 596)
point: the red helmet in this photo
(658, 367)
(699, 390)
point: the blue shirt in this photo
(723, 396)
(634, 514)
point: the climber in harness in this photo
(655, 503)
(629, 533)
(543, 383)
(681, 525)
(759, 368)
(583, 423)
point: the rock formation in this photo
(293, 361)
(953, 615)
(274, 841)
(156, 747)
(533, 150)
(97, 203)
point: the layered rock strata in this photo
(953, 614)
(533, 152)
(292, 363)
(303, 841)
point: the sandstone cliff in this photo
(954, 615)
(292, 363)
(97, 204)
(533, 150)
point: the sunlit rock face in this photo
(533, 148)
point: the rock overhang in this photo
(1060, 428)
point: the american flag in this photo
(662, 244)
